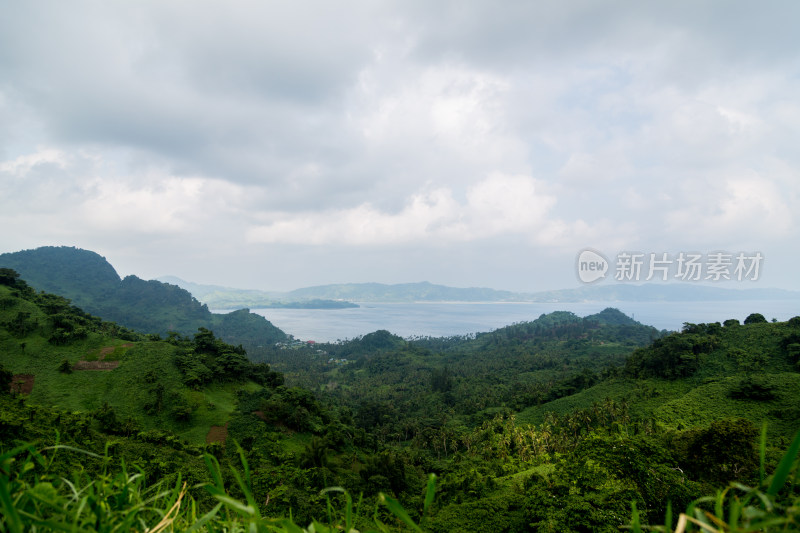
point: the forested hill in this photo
(559, 424)
(91, 283)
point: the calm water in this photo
(444, 319)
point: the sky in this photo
(277, 145)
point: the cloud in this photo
(83, 193)
(530, 129)
(497, 206)
(745, 209)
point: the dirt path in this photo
(105, 351)
(101, 363)
(217, 434)
(22, 383)
(96, 365)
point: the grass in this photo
(710, 401)
(126, 389)
(687, 403)
(644, 396)
(768, 506)
(121, 500)
(214, 406)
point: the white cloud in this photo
(743, 209)
(364, 126)
(20, 166)
(497, 206)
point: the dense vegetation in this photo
(91, 283)
(559, 424)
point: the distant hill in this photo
(612, 317)
(344, 294)
(91, 283)
(674, 292)
(218, 297)
(615, 292)
(403, 292)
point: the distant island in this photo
(227, 298)
(343, 295)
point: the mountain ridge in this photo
(429, 292)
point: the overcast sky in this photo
(279, 145)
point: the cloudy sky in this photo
(278, 145)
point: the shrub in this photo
(65, 367)
(751, 388)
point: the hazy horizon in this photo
(576, 285)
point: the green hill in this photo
(61, 356)
(91, 283)
(558, 424)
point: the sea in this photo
(426, 319)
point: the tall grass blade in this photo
(429, 493)
(235, 504)
(214, 470)
(397, 510)
(668, 517)
(205, 518)
(762, 453)
(636, 526)
(6, 457)
(13, 520)
(784, 467)
(243, 460)
(73, 449)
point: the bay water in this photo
(446, 319)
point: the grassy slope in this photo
(124, 388)
(705, 396)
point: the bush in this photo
(751, 388)
(723, 452)
(65, 367)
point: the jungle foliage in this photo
(558, 424)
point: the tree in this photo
(21, 324)
(8, 277)
(107, 418)
(723, 452)
(5, 380)
(441, 380)
(755, 318)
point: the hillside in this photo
(92, 284)
(64, 357)
(557, 424)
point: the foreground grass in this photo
(31, 498)
(119, 499)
